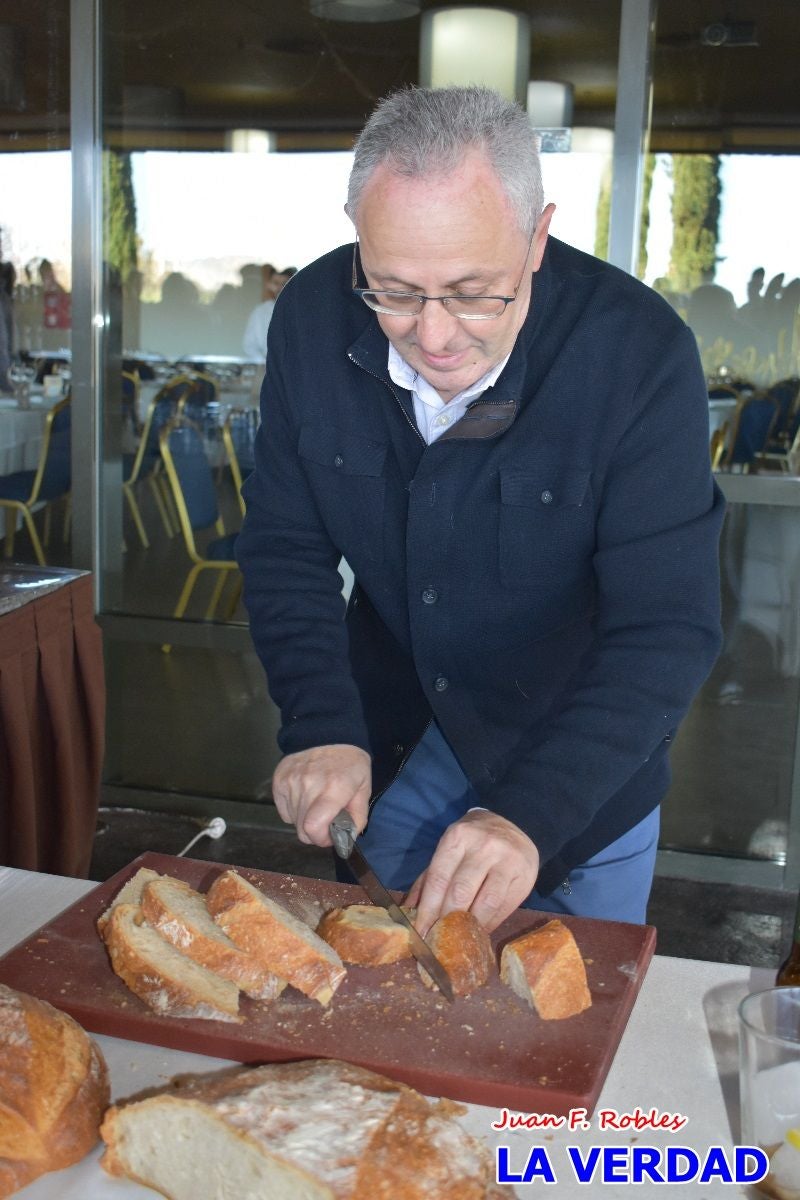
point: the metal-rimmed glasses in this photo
(410, 304)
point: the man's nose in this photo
(435, 326)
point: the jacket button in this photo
(338, 461)
(547, 497)
(441, 684)
(399, 750)
(430, 595)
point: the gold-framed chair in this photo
(238, 435)
(49, 481)
(191, 481)
(145, 464)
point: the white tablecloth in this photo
(243, 395)
(678, 1055)
(21, 432)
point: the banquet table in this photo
(678, 1055)
(21, 432)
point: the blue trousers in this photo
(432, 791)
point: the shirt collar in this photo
(405, 376)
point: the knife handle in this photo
(343, 833)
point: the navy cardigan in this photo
(543, 579)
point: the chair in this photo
(131, 432)
(49, 481)
(145, 464)
(192, 484)
(753, 423)
(787, 393)
(238, 434)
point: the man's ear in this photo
(540, 237)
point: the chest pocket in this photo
(546, 525)
(346, 473)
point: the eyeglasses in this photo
(410, 304)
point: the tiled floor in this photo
(693, 920)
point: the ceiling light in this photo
(250, 141)
(488, 46)
(549, 104)
(364, 10)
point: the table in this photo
(52, 719)
(21, 432)
(241, 395)
(678, 1055)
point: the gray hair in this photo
(426, 131)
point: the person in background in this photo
(507, 441)
(254, 342)
(7, 280)
(57, 305)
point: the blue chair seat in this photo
(17, 486)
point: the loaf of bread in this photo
(464, 949)
(544, 967)
(53, 1090)
(315, 1130)
(274, 937)
(179, 914)
(168, 982)
(129, 893)
(365, 934)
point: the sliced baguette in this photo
(315, 1130)
(129, 893)
(464, 949)
(168, 982)
(278, 940)
(365, 934)
(179, 914)
(544, 967)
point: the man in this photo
(254, 342)
(507, 441)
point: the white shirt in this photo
(434, 415)
(254, 342)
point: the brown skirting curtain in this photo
(52, 727)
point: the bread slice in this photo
(544, 967)
(129, 893)
(315, 1130)
(168, 982)
(179, 914)
(365, 934)
(53, 1090)
(464, 949)
(278, 940)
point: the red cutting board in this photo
(489, 1048)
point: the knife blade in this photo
(343, 835)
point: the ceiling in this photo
(269, 63)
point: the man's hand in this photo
(483, 863)
(311, 787)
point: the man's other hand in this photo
(309, 788)
(483, 863)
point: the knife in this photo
(343, 834)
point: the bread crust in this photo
(53, 1090)
(180, 915)
(464, 949)
(349, 1133)
(164, 978)
(545, 968)
(274, 937)
(365, 934)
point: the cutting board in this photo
(489, 1048)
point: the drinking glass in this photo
(769, 1083)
